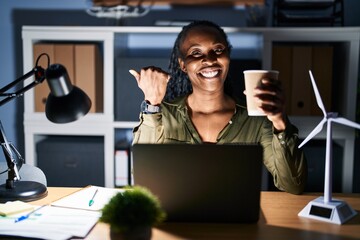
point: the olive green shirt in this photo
(282, 157)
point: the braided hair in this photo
(179, 83)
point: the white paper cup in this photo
(252, 80)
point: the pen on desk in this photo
(91, 202)
(24, 217)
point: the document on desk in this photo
(53, 223)
(92, 198)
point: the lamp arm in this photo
(39, 77)
(39, 73)
(13, 157)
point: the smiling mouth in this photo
(209, 74)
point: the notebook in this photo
(202, 182)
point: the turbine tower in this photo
(326, 208)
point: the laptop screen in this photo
(204, 182)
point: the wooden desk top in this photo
(279, 220)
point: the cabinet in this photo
(121, 43)
(308, 13)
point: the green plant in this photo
(134, 207)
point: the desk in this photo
(278, 221)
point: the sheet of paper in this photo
(66, 218)
(14, 207)
(81, 198)
(51, 223)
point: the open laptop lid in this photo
(202, 183)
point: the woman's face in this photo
(205, 58)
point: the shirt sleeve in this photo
(284, 160)
(150, 129)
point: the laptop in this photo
(202, 182)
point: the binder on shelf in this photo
(301, 86)
(84, 65)
(293, 62)
(282, 62)
(42, 91)
(89, 72)
(65, 55)
(322, 66)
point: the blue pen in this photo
(28, 215)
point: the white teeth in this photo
(209, 74)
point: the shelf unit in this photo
(260, 42)
(350, 38)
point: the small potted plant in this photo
(132, 213)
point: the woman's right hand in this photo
(153, 82)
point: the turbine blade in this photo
(346, 122)
(317, 94)
(316, 130)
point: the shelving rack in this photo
(37, 127)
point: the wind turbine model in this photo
(325, 208)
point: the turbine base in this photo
(336, 211)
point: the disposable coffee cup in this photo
(252, 80)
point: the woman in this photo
(191, 105)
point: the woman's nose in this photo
(210, 57)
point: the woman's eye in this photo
(219, 51)
(196, 53)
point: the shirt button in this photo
(280, 136)
(282, 142)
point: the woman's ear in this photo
(182, 65)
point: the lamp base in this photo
(336, 211)
(23, 191)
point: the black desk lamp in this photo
(65, 103)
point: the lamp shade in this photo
(65, 103)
